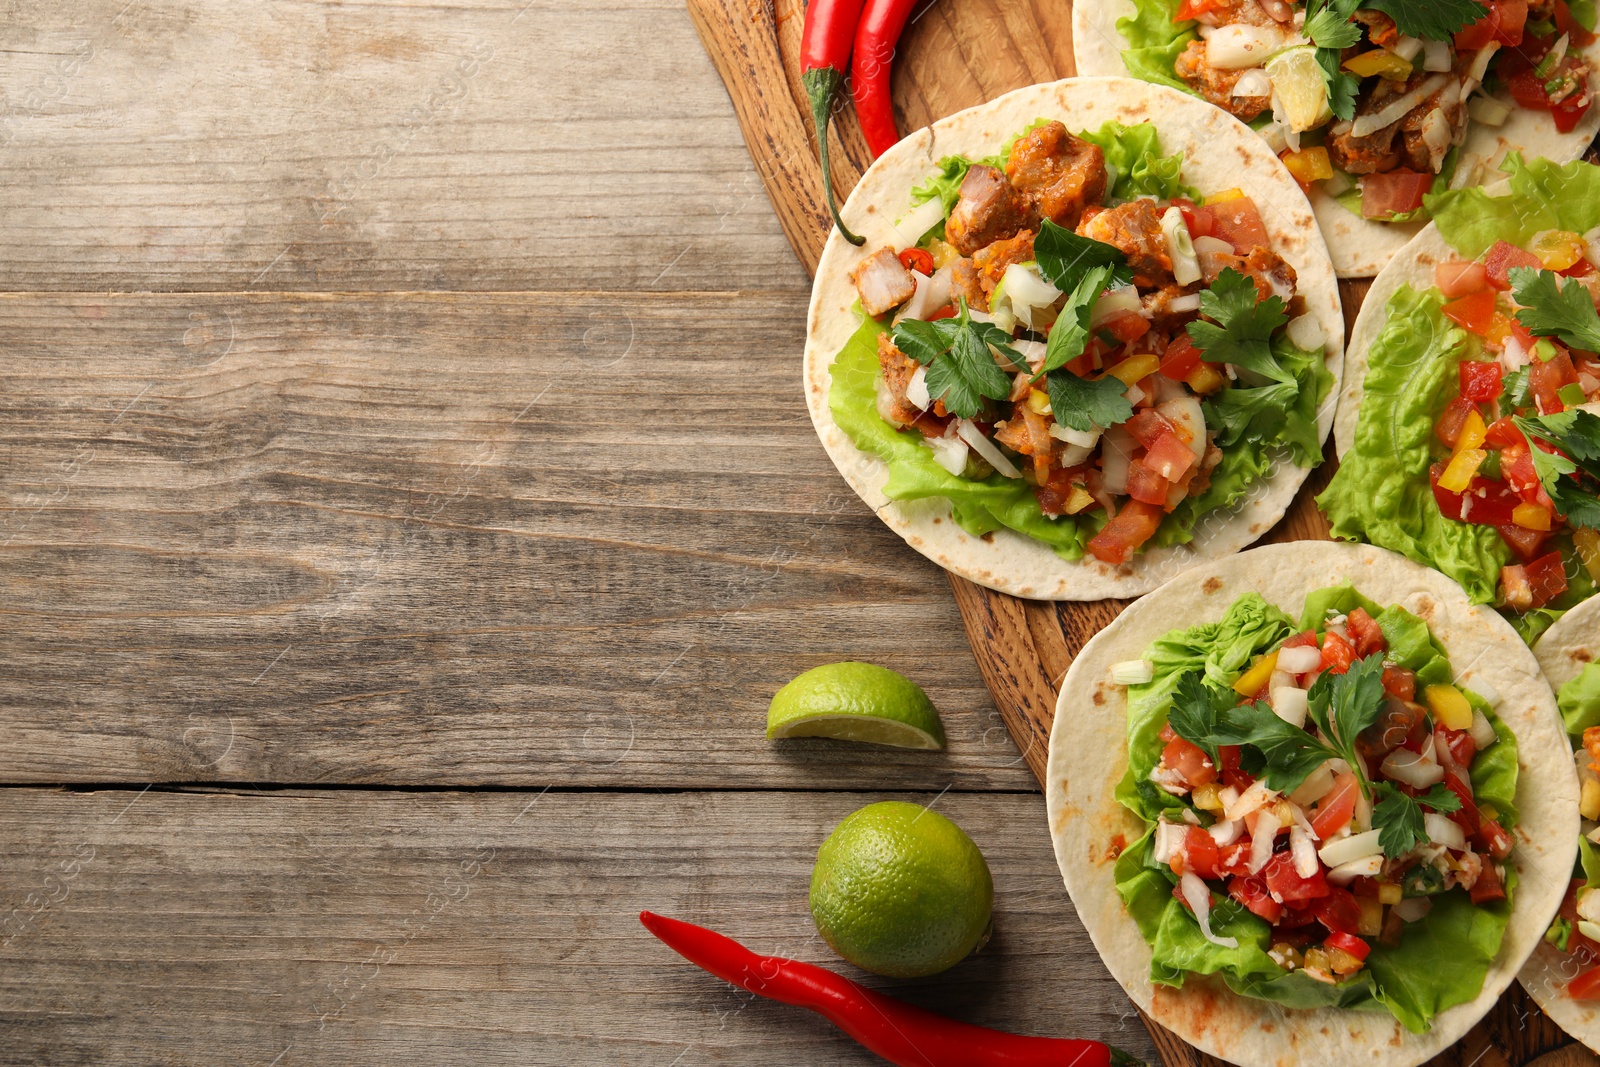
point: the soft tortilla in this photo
(1360, 248)
(1088, 756)
(1220, 153)
(1564, 651)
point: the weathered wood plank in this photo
(398, 144)
(511, 539)
(373, 927)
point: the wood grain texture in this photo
(443, 928)
(409, 539)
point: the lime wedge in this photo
(1298, 84)
(856, 702)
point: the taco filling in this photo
(1067, 342)
(1500, 358)
(1576, 930)
(1327, 813)
(1371, 100)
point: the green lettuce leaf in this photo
(1381, 493)
(1579, 701)
(1543, 196)
(1133, 155)
(1154, 42)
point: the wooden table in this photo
(403, 466)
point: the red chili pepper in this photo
(825, 39)
(876, 38)
(902, 1034)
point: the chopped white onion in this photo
(1589, 905)
(1199, 898)
(1214, 245)
(1253, 82)
(1226, 831)
(1134, 395)
(1413, 909)
(1266, 830)
(1185, 267)
(1488, 110)
(986, 448)
(917, 389)
(1307, 333)
(1480, 685)
(1186, 302)
(1302, 659)
(932, 294)
(1032, 351)
(1435, 56)
(1168, 840)
(1588, 929)
(1277, 137)
(1241, 46)
(950, 453)
(1081, 438)
(1354, 847)
(1164, 389)
(1365, 867)
(1482, 730)
(1133, 672)
(1403, 765)
(1443, 831)
(1407, 48)
(916, 222)
(1480, 62)
(1513, 356)
(1302, 852)
(1397, 109)
(1188, 417)
(1257, 795)
(1026, 289)
(1114, 302)
(1289, 702)
(1437, 136)
(1337, 185)
(1317, 783)
(1115, 457)
(1591, 241)
(1279, 679)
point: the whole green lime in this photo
(901, 891)
(856, 702)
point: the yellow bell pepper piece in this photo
(1080, 499)
(1225, 195)
(1389, 893)
(1587, 542)
(1449, 706)
(1206, 379)
(1557, 249)
(1379, 63)
(1463, 466)
(1251, 681)
(943, 254)
(1040, 402)
(1309, 164)
(1130, 370)
(1589, 802)
(1499, 330)
(1473, 433)
(1531, 516)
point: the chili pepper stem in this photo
(822, 86)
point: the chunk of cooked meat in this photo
(1449, 125)
(1057, 172)
(1380, 27)
(1273, 276)
(1402, 142)
(991, 262)
(1217, 85)
(1371, 154)
(1135, 227)
(898, 369)
(1158, 308)
(883, 282)
(987, 210)
(967, 283)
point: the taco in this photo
(1467, 432)
(1331, 812)
(1563, 974)
(1071, 360)
(1372, 103)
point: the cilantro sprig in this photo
(1241, 328)
(962, 370)
(1550, 309)
(1573, 479)
(1082, 268)
(1065, 257)
(1329, 28)
(1342, 705)
(1432, 20)
(1290, 753)
(1398, 818)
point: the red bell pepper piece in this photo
(902, 1034)
(1480, 381)
(1502, 257)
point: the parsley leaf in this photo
(1069, 336)
(1087, 404)
(1577, 433)
(1289, 753)
(1328, 27)
(1515, 385)
(1342, 705)
(1398, 818)
(961, 368)
(1433, 20)
(1242, 327)
(1552, 310)
(1064, 258)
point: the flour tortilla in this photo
(1219, 153)
(1088, 756)
(1564, 651)
(1360, 248)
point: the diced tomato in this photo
(1338, 910)
(1181, 358)
(1231, 774)
(1129, 528)
(1516, 466)
(1473, 313)
(1348, 942)
(1200, 853)
(1481, 381)
(918, 260)
(1364, 633)
(1493, 838)
(1569, 112)
(1488, 887)
(1485, 503)
(1202, 221)
(946, 312)
(1546, 377)
(1459, 277)
(1336, 809)
(1451, 419)
(1234, 859)
(1502, 257)
(1586, 986)
(1337, 654)
(1146, 485)
(1303, 639)
(1127, 326)
(1503, 23)
(1147, 427)
(1466, 816)
(1286, 884)
(1193, 9)
(1252, 893)
(1524, 542)
(1503, 432)
(1394, 193)
(1239, 223)
(1399, 682)
(1581, 269)
(1169, 457)
(1190, 762)
(1459, 743)
(1546, 577)
(1565, 23)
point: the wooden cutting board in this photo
(956, 54)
